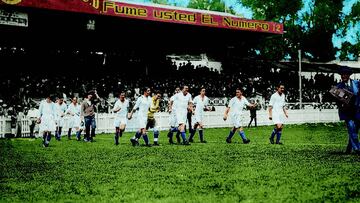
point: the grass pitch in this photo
(309, 167)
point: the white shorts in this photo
(172, 119)
(181, 117)
(278, 117)
(120, 121)
(60, 121)
(74, 122)
(47, 124)
(236, 120)
(142, 121)
(198, 118)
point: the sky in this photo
(308, 4)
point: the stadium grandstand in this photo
(111, 46)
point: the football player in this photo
(235, 107)
(277, 113)
(201, 103)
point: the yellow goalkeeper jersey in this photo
(154, 107)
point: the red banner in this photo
(153, 13)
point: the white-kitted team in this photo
(52, 115)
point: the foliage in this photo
(324, 20)
(212, 5)
(163, 2)
(309, 167)
(350, 22)
(272, 10)
(311, 31)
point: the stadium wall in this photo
(212, 120)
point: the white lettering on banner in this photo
(13, 18)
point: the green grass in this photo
(309, 167)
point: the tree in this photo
(323, 22)
(274, 10)
(163, 2)
(310, 31)
(351, 22)
(213, 5)
(277, 47)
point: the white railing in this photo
(212, 120)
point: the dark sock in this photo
(146, 139)
(201, 134)
(278, 136)
(48, 137)
(170, 134)
(193, 131)
(156, 136)
(231, 134)
(117, 132)
(178, 137)
(183, 136)
(273, 134)
(44, 137)
(137, 135)
(242, 135)
(117, 136)
(59, 132)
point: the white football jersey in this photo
(172, 99)
(277, 102)
(123, 106)
(182, 101)
(200, 104)
(74, 109)
(60, 108)
(237, 105)
(143, 104)
(47, 109)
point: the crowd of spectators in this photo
(110, 73)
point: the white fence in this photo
(212, 120)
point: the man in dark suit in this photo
(350, 112)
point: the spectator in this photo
(253, 110)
